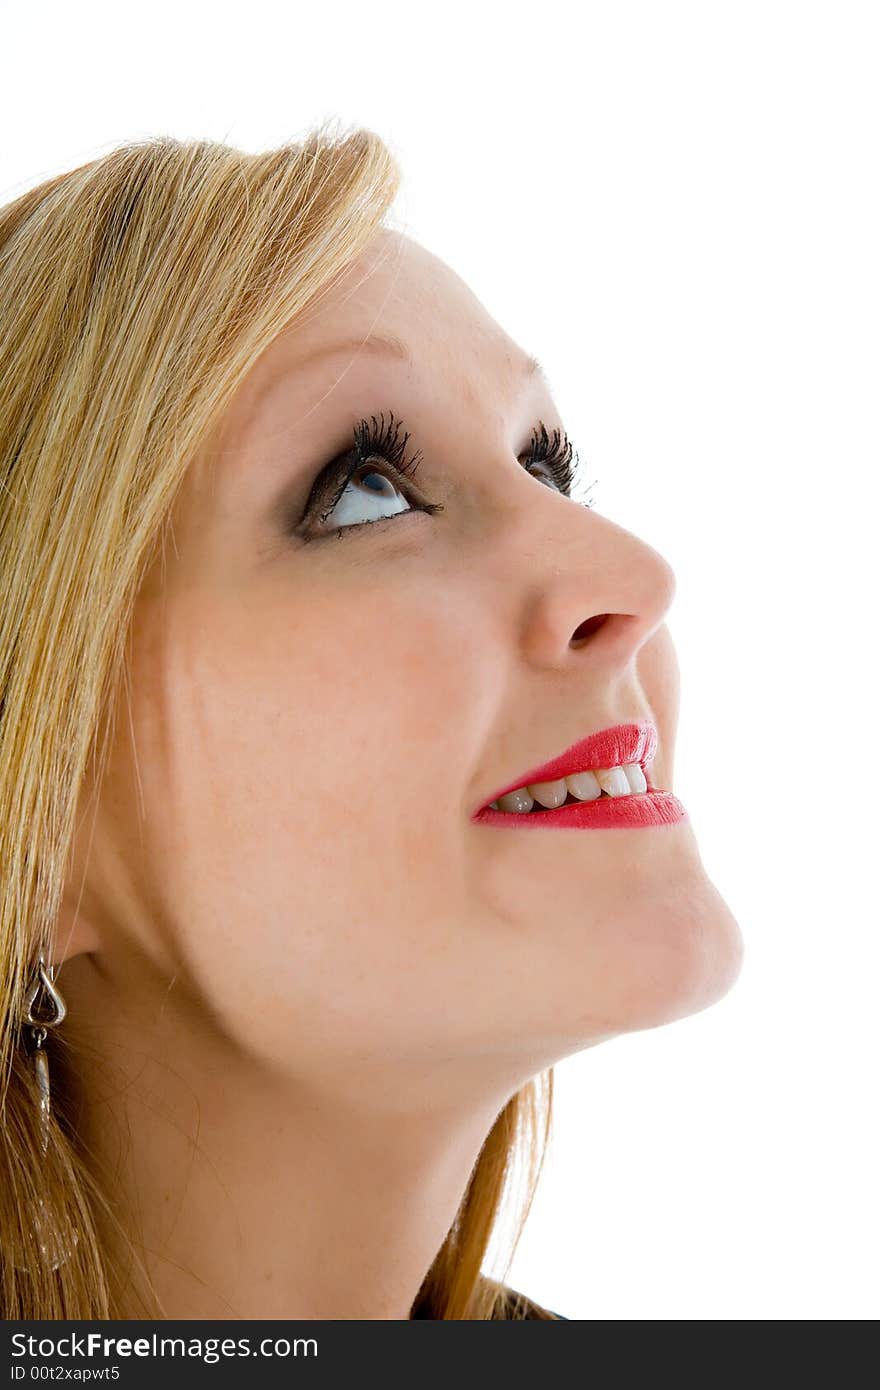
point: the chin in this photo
(698, 961)
(666, 956)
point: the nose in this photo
(603, 591)
(587, 628)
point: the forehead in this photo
(397, 302)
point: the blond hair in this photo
(136, 293)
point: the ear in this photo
(75, 934)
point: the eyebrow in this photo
(529, 366)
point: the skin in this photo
(304, 982)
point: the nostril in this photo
(586, 629)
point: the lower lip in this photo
(604, 813)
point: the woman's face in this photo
(311, 723)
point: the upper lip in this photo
(612, 747)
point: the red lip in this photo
(613, 747)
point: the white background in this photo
(675, 207)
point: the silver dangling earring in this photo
(44, 978)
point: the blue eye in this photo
(368, 487)
(374, 442)
(342, 484)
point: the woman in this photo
(294, 592)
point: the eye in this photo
(365, 478)
(557, 455)
(367, 496)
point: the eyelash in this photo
(374, 439)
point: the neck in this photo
(258, 1193)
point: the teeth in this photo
(614, 781)
(583, 786)
(547, 794)
(637, 780)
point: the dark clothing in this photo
(518, 1306)
(513, 1307)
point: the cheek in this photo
(291, 776)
